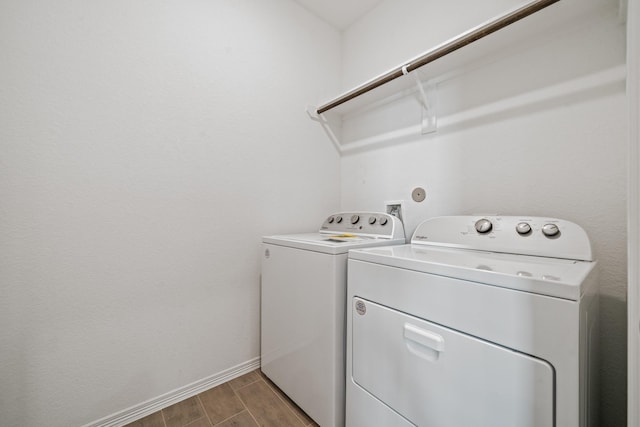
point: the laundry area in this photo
(195, 191)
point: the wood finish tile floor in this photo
(247, 401)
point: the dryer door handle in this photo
(432, 343)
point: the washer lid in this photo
(346, 230)
(554, 277)
(329, 243)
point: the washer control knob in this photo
(383, 220)
(523, 228)
(330, 220)
(372, 220)
(338, 219)
(483, 226)
(550, 230)
(355, 219)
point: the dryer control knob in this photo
(338, 219)
(483, 226)
(523, 228)
(355, 219)
(330, 220)
(372, 220)
(383, 220)
(550, 230)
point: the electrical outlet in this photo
(395, 208)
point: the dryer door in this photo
(435, 376)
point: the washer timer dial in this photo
(550, 230)
(483, 226)
(523, 228)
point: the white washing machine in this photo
(304, 288)
(480, 321)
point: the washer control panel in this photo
(540, 236)
(376, 224)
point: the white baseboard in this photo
(143, 409)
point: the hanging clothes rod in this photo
(442, 50)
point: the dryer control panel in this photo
(522, 235)
(371, 224)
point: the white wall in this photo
(538, 129)
(145, 148)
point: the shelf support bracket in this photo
(427, 99)
(326, 126)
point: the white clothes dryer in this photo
(480, 321)
(304, 288)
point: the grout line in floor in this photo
(162, 415)
(255, 420)
(278, 394)
(245, 385)
(204, 410)
(196, 420)
(244, 404)
(226, 419)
